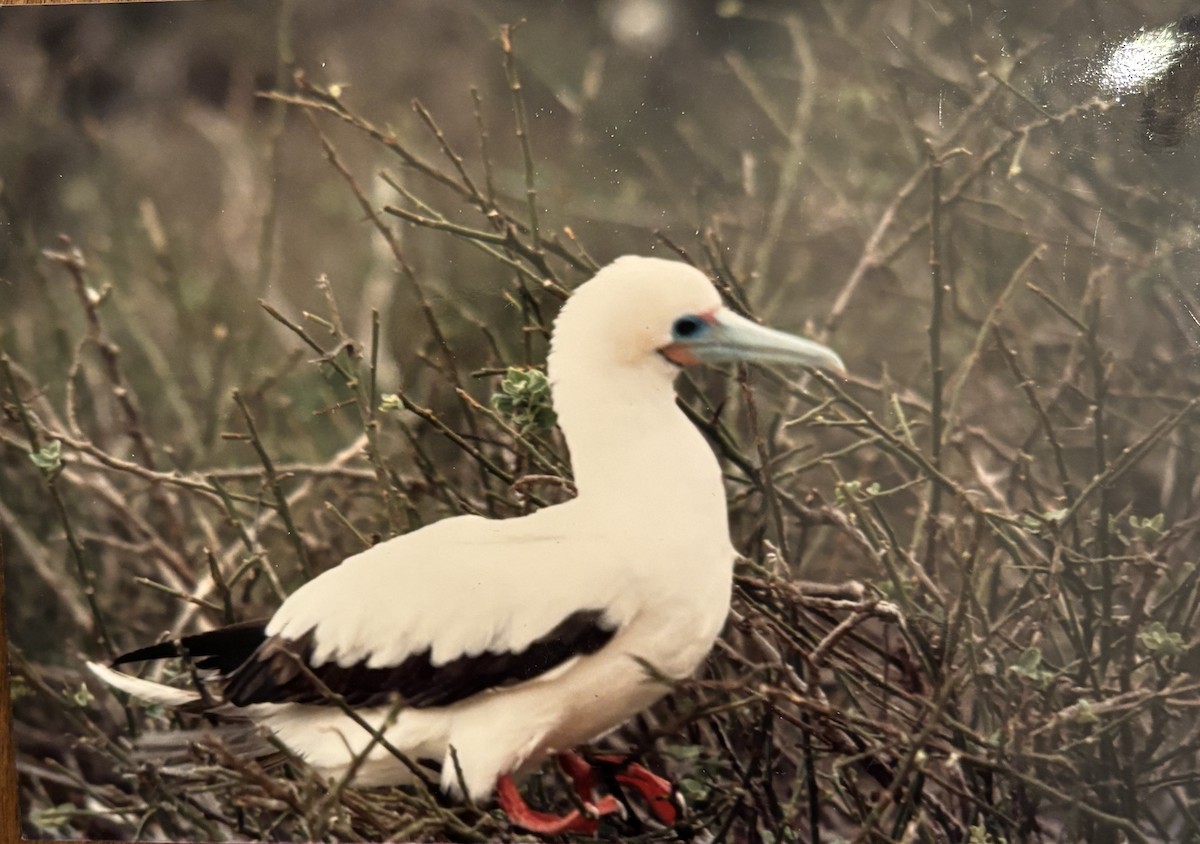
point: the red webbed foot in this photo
(545, 823)
(658, 793)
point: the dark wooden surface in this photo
(9, 827)
(66, 2)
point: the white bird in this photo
(505, 642)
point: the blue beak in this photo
(730, 338)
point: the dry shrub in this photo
(1000, 498)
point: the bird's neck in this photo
(634, 451)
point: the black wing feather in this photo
(223, 649)
(273, 673)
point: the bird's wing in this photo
(433, 617)
(223, 649)
(283, 670)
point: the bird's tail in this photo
(173, 752)
(147, 691)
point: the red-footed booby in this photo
(495, 644)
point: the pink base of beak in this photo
(679, 354)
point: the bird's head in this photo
(653, 314)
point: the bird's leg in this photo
(581, 774)
(544, 823)
(658, 793)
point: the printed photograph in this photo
(731, 421)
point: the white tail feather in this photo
(173, 752)
(143, 690)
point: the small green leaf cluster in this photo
(54, 819)
(1160, 641)
(1029, 666)
(524, 400)
(82, 697)
(855, 491)
(49, 459)
(1085, 712)
(1147, 529)
(980, 835)
(1040, 525)
(696, 785)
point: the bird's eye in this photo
(687, 327)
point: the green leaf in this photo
(53, 818)
(684, 752)
(846, 491)
(1149, 528)
(980, 835)
(18, 688)
(82, 696)
(156, 711)
(1040, 525)
(390, 401)
(49, 459)
(1085, 712)
(524, 401)
(1160, 641)
(1029, 666)
(1029, 661)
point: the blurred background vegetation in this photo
(968, 606)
